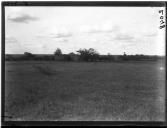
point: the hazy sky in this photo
(114, 30)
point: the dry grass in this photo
(85, 91)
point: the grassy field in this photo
(51, 91)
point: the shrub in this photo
(88, 54)
(67, 58)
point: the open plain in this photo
(84, 91)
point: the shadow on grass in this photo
(45, 70)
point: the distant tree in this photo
(84, 54)
(58, 52)
(110, 57)
(88, 54)
(28, 54)
(94, 55)
(71, 53)
(125, 57)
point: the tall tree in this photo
(58, 52)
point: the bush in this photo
(88, 54)
(67, 58)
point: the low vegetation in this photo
(86, 55)
(59, 91)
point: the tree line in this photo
(88, 55)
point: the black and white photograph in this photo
(84, 63)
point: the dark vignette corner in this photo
(68, 3)
(2, 60)
(85, 3)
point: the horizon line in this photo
(78, 54)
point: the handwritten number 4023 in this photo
(162, 23)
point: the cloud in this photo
(123, 37)
(21, 18)
(95, 29)
(148, 32)
(90, 29)
(10, 39)
(151, 34)
(61, 40)
(106, 27)
(55, 36)
(60, 34)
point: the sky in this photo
(114, 30)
